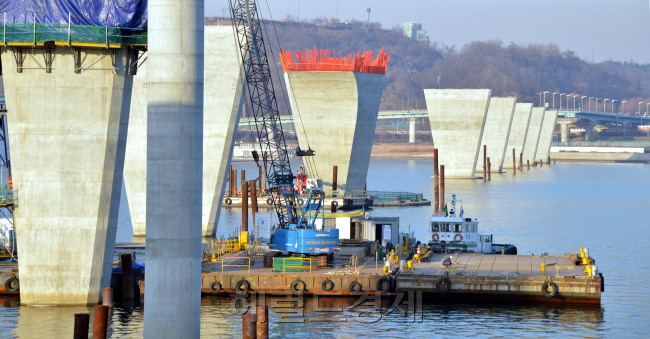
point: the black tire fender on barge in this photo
(602, 282)
(355, 287)
(443, 284)
(215, 287)
(12, 284)
(385, 285)
(243, 287)
(297, 286)
(549, 289)
(327, 285)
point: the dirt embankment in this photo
(402, 151)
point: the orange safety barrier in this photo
(326, 60)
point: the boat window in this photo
(457, 227)
(435, 227)
(445, 228)
(466, 228)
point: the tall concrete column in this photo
(564, 133)
(589, 130)
(135, 158)
(532, 138)
(174, 169)
(546, 136)
(412, 122)
(497, 130)
(67, 132)
(223, 101)
(457, 118)
(339, 113)
(518, 131)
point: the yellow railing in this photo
(233, 265)
(214, 249)
(301, 266)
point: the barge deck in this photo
(471, 276)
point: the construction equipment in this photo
(294, 233)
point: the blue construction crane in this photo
(296, 232)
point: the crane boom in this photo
(265, 109)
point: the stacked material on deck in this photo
(287, 264)
(102, 21)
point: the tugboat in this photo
(453, 233)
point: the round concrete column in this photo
(174, 169)
(564, 133)
(412, 131)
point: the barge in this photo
(555, 279)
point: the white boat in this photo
(455, 233)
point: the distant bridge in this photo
(288, 120)
(577, 114)
(603, 116)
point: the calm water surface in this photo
(554, 209)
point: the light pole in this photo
(554, 93)
(561, 94)
(545, 98)
(582, 102)
(540, 98)
(640, 107)
(646, 108)
(574, 102)
(613, 106)
(590, 102)
(605, 103)
(622, 108)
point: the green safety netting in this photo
(75, 33)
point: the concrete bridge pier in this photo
(174, 169)
(339, 115)
(564, 128)
(457, 118)
(67, 120)
(534, 131)
(497, 130)
(518, 132)
(223, 101)
(564, 133)
(546, 136)
(589, 130)
(412, 131)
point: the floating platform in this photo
(504, 277)
(402, 203)
(484, 277)
(472, 276)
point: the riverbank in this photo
(576, 154)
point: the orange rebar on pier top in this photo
(325, 60)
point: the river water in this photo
(554, 209)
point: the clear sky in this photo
(595, 29)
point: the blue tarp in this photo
(137, 266)
(114, 13)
